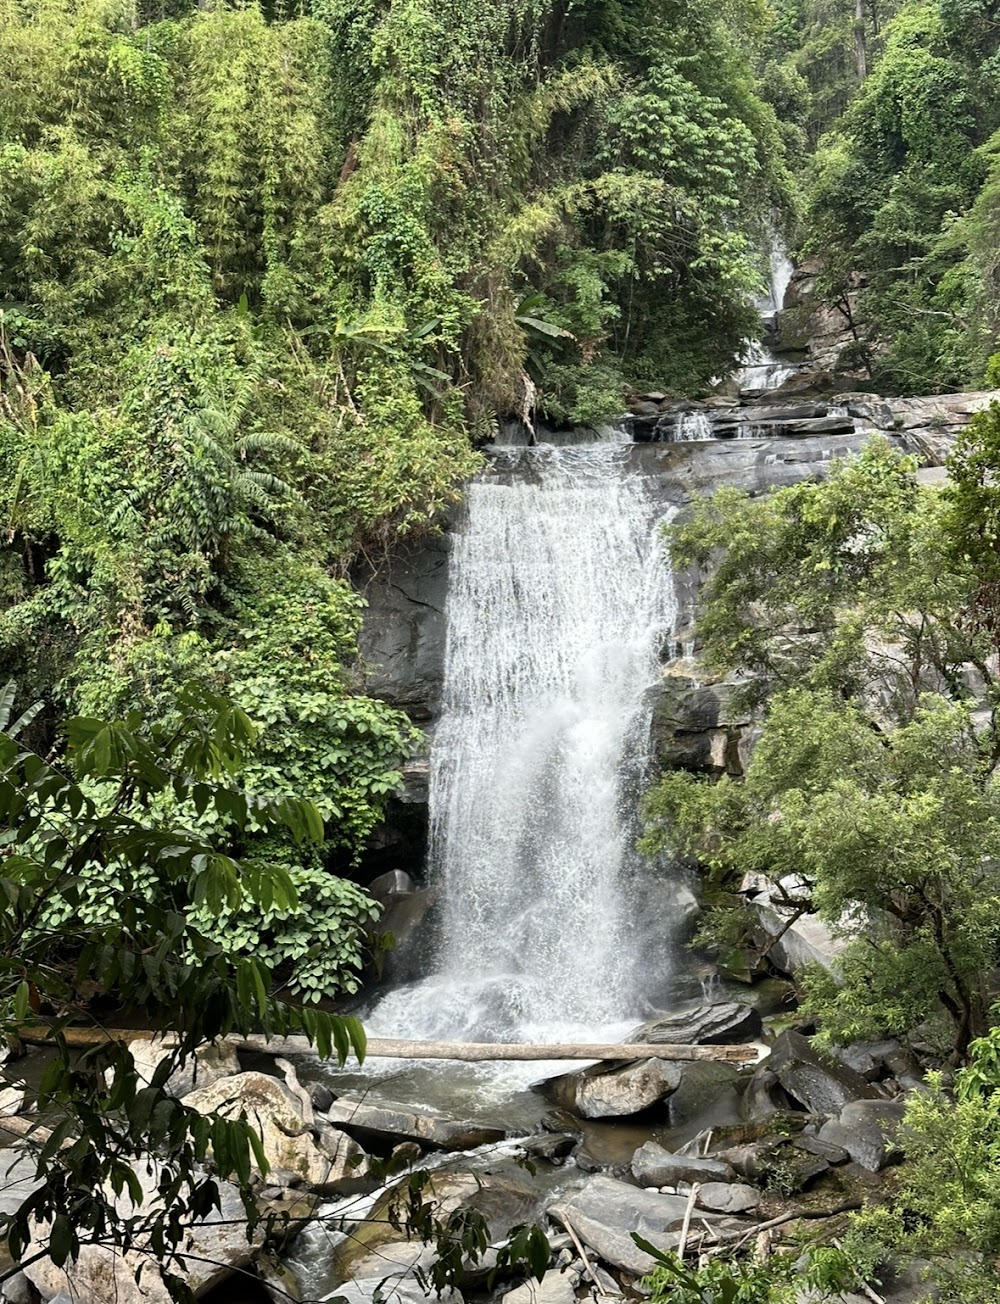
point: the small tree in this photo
(104, 812)
(874, 783)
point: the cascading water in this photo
(761, 370)
(560, 600)
(693, 427)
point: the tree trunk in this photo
(470, 1052)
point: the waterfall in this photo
(560, 599)
(693, 427)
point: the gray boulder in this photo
(866, 1129)
(652, 1165)
(554, 1288)
(727, 1023)
(599, 1092)
(728, 1197)
(820, 1086)
(604, 1213)
(318, 1157)
(386, 1121)
(393, 1290)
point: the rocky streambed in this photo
(702, 1152)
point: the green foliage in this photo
(751, 1281)
(902, 195)
(873, 790)
(92, 819)
(947, 1206)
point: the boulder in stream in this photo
(652, 1165)
(603, 1092)
(382, 1122)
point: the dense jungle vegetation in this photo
(268, 276)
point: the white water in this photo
(694, 427)
(761, 370)
(560, 599)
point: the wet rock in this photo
(321, 1097)
(709, 1093)
(727, 1023)
(405, 1155)
(387, 887)
(387, 1122)
(550, 1146)
(728, 1197)
(599, 1092)
(866, 1129)
(321, 1157)
(820, 1086)
(208, 1065)
(403, 633)
(652, 1165)
(554, 1288)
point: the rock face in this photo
(323, 1158)
(403, 633)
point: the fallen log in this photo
(393, 1048)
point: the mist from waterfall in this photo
(560, 600)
